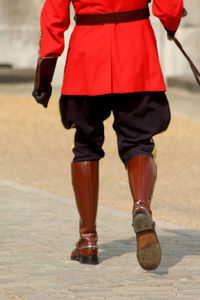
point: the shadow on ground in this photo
(176, 244)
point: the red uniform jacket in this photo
(110, 58)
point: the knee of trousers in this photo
(148, 148)
(87, 155)
(87, 150)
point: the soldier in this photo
(112, 66)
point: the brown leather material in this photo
(144, 240)
(85, 248)
(85, 180)
(44, 72)
(142, 174)
(115, 17)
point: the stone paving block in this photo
(2, 297)
(38, 230)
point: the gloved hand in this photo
(42, 96)
(184, 12)
(43, 77)
(170, 34)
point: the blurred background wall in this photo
(20, 32)
(173, 62)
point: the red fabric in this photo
(111, 58)
(169, 12)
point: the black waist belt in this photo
(115, 17)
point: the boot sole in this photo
(90, 260)
(142, 222)
(149, 257)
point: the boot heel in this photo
(142, 222)
(90, 260)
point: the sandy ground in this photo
(35, 150)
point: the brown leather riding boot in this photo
(142, 174)
(85, 180)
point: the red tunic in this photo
(110, 58)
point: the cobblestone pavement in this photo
(38, 231)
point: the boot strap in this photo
(87, 247)
(141, 205)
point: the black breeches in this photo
(137, 118)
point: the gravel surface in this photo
(35, 150)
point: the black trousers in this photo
(137, 118)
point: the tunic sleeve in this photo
(55, 20)
(169, 12)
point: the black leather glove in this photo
(42, 96)
(43, 77)
(170, 34)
